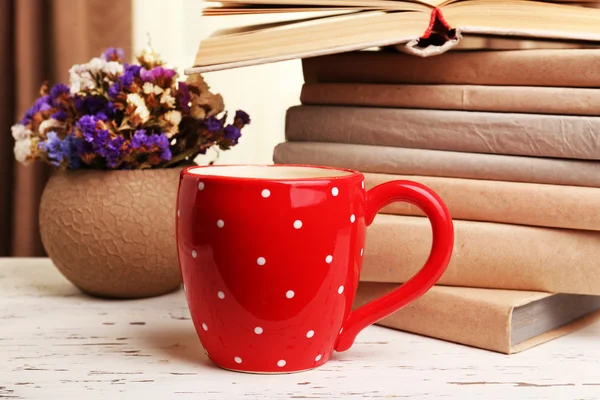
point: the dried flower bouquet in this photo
(116, 115)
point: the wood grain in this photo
(57, 343)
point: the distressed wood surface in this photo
(56, 343)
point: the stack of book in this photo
(510, 140)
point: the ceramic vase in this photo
(112, 233)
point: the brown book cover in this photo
(451, 164)
(506, 99)
(487, 255)
(291, 29)
(536, 67)
(503, 321)
(572, 207)
(535, 135)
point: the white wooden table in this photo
(56, 343)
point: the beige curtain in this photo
(40, 40)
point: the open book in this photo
(420, 27)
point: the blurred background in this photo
(41, 39)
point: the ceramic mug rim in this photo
(349, 173)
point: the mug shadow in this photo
(177, 344)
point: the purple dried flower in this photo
(58, 150)
(114, 89)
(101, 115)
(41, 104)
(113, 54)
(151, 140)
(138, 139)
(166, 154)
(87, 123)
(90, 104)
(232, 133)
(184, 97)
(58, 90)
(52, 147)
(110, 108)
(60, 115)
(130, 73)
(213, 124)
(242, 116)
(69, 148)
(162, 141)
(157, 73)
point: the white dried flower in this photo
(113, 68)
(150, 88)
(141, 110)
(173, 116)
(48, 124)
(22, 150)
(20, 132)
(96, 65)
(80, 79)
(167, 99)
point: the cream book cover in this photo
(503, 321)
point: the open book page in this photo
(543, 20)
(310, 19)
(381, 4)
(336, 34)
(221, 11)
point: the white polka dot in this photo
(317, 358)
(297, 224)
(265, 193)
(258, 330)
(261, 261)
(194, 254)
(178, 213)
(362, 251)
(352, 218)
(310, 334)
(341, 330)
(329, 259)
(220, 223)
(204, 326)
(281, 363)
(340, 290)
(237, 360)
(221, 295)
(201, 186)
(362, 184)
(335, 191)
(289, 294)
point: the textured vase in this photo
(112, 233)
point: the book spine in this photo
(440, 314)
(537, 67)
(487, 255)
(536, 135)
(397, 160)
(507, 99)
(531, 204)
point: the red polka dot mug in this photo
(270, 258)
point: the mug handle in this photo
(437, 262)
